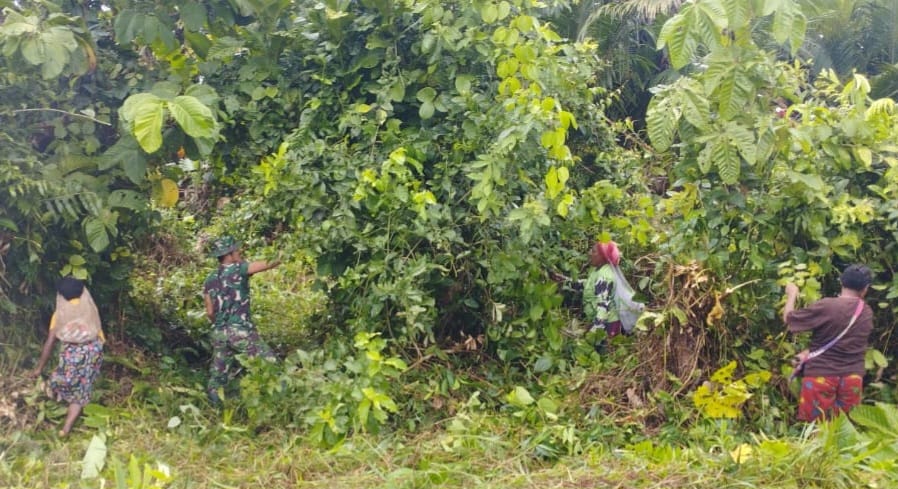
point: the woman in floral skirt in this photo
(76, 324)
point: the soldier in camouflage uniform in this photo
(226, 294)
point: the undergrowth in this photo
(562, 432)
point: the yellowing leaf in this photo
(519, 397)
(716, 313)
(165, 193)
(865, 156)
(724, 375)
(565, 205)
(145, 113)
(742, 453)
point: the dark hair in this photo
(70, 287)
(856, 277)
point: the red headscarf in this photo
(610, 252)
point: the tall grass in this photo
(207, 449)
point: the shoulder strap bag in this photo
(820, 351)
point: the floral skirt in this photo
(825, 397)
(79, 366)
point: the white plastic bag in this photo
(628, 309)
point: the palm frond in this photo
(885, 84)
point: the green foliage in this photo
(431, 196)
(145, 114)
(339, 396)
(55, 43)
(775, 174)
(137, 477)
(94, 458)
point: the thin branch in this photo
(73, 114)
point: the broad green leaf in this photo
(676, 37)
(705, 158)
(734, 92)
(193, 15)
(738, 12)
(783, 22)
(709, 21)
(33, 50)
(97, 237)
(8, 224)
(769, 6)
(865, 156)
(362, 411)
(136, 169)
(547, 405)
(258, 93)
(880, 418)
(798, 33)
(204, 93)
(126, 24)
(166, 89)
(16, 24)
(426, 110)
(507, 67)
(128, 199)
(553, 184)
(728, 162)
(813, 182)
(56, 45)
(397, 90)
(875, 359)
(158, 34)
(662, 122)
(463, 83)
(225, 48)
(564, 205)
(744, 139)
(94, 458)
(504, 10)
(695, 105)
(519, 397)
(548, 139)
(567, 119)
(199, 43)
(489, 13)
(138, 103)
(526, 54)
(148, 126)
(426, 94)
(194, 118)
(765, 147)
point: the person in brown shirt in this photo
(832, 380)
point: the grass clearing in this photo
(206, 452)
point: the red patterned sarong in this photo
(825, 397)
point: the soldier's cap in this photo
(224, 245)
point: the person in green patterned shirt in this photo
(598, 289)
(227, 298)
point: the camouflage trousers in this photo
(228, 341)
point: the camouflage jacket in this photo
(228, 287)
